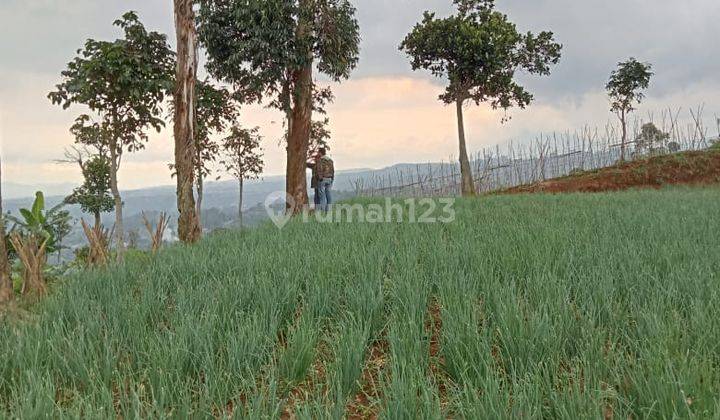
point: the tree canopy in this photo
(651, 139)
(93, 196)
(243, 156)
(254, 44)
(124, 81)
(480, 51)
(627, 83)
(320, 134)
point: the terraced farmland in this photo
(600, 306)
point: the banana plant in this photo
(49, 225)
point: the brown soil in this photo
(688, 168)
(437, 361)
(364, 404)
(301, 392)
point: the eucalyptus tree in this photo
(479, 51)
(625, 89)
(243, 158)
(185, 119)
(123, 82)
(269, 49)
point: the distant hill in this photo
(220, 199)
(13, 190)
(221, 194)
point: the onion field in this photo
(528, 306)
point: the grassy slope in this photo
(533, 306)
(686, 168)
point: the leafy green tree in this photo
(479, 51)
(93, 196)
(625, 90)
(651, 139)
(124, 82)
(269, 48)
(243, 158)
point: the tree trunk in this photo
(286, 103)
(623, 143)
(301, 122)
(296, 180)
(119, 230)
(467, 183)
(240, 203)
(6, 285)
(198, 207)
(188, 222)
(98, 220)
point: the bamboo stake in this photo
(156, 234)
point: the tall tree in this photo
(185, 146)
(625, 90)
(270, 48)
(124, 82)
(243, 158)
(6, 285)
(479, 51)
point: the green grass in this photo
(565, 306)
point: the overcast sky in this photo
(385, 113)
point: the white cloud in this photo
(385, 114)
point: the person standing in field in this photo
(325, 168)
(314, 181)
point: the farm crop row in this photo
(527, 306)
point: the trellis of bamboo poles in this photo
(549, 155)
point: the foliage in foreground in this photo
(569, 306)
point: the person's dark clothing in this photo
(325, 168)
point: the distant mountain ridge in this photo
(220, 198)
(219, 202)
